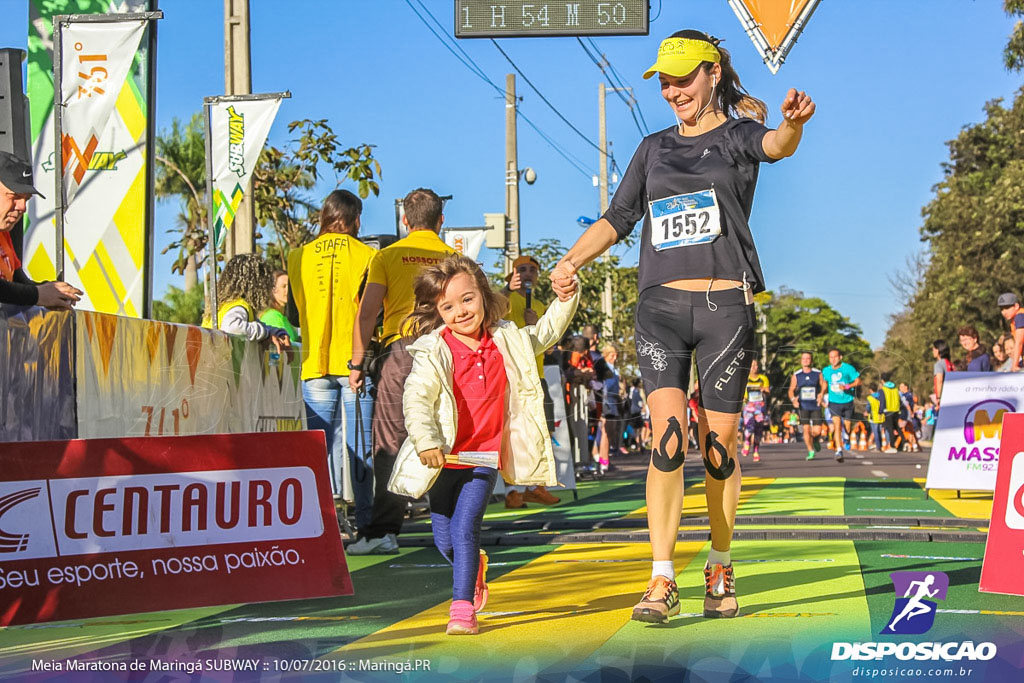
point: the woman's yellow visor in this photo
(680, 56)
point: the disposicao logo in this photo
(915, 613)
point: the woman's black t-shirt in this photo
(704, 180)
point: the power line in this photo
(471, 64)
(622, 81)
(541, 96)
(615, 88)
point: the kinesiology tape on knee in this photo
(669, 457)
(728, 466)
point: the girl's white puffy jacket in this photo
(431, 417)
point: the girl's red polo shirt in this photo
(479, 383)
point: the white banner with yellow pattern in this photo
(105, 238)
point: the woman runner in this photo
(693, 185)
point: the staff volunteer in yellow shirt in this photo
(326, 275)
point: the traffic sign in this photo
(534, 18)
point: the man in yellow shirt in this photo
(325, 277)
(389, 286)
(525, 309)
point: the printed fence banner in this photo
(1003, 564)
(37, 381)
(98, 527)
(239, 129)
(965, 451)
(150, 378)
(560, 439)
(466, 242)
(105, 237)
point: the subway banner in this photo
(239, 129)
(150, 378)
(965, 450)
(117, 526)
(105, 226)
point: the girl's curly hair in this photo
(249, 277)
(430, 285)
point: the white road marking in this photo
(879, 473)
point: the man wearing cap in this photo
(15, 286)
(1009, 306)
(525, 309)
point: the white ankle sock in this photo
(663, 568)
(722, 557)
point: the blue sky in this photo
(893, 82)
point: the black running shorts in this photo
(811, 417)
(843, 410)
(674, 327)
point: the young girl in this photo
(244, 289)
(473, 405)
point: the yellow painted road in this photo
(554, 611)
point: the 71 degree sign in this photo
(536, 18)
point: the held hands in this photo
(432, 457)
(58, 295)
(564, 280)
(797, 107)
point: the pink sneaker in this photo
(481, 593)
(462, 619)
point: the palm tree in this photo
(181, 173)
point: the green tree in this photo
(974, 232)
(796, 323)
(179, 306)
(285, 178)
(181, 173)
(624, 295)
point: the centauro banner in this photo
(115, 526)
(239, 130)
(105, 237)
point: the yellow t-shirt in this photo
(758, 385)
(517, 314)
(396, 268)
(227, 306)
(325, 276)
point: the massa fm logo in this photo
(914, 613)
(984, 420)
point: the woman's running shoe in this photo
(660, 602)
(757, 456)
(720, 592)
(481, 593)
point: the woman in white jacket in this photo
(473, 405)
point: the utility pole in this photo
(606, 294)
(511, 175)
(238, 81)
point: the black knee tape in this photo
(669, 457)
(728, 466)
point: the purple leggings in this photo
(457, 502)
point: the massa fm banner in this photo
(105, 226)
(239, 129)
(965, 453)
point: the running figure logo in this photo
(914, 613)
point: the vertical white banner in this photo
(240, 128)
(466, 242)
(96, 58)
(965, 451)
